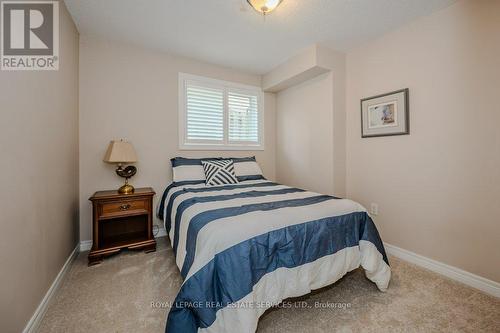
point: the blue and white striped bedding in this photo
(242, 248)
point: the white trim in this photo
(37, 317)
(227, 86)
(161, 232)
(85, 245)
(212, 146)
(215, 82)
(454, 273)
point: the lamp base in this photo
(126, 189)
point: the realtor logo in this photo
(29, 35)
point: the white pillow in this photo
(187, 169)
(247, 168)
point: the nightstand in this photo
(121, 221)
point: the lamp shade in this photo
(120, 152)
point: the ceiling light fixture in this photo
(264, 6)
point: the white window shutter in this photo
(219, 115)
(204, 113)
(243, 113)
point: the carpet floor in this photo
(129, 292)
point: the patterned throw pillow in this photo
(219, 172)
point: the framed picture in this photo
(386, 114)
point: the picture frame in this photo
(386, 114)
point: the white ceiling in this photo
(230, 33)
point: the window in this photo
(219, 115)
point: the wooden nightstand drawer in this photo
(119, 208)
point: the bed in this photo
(243, 248)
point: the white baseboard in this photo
(454, 273)
(161, 232)
(37, 317)
(85, 245)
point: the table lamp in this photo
(121, 152)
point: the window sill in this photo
(198, 146)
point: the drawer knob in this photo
(125, 206)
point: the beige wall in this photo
(132, 93)
(439, 187)
(310, 126)
(304, 135)
(39, 179)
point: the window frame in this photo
(226, 86)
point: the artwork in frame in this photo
(386, 114)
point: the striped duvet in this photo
(242, 248)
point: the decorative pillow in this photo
(219, 172)
(247, 168)
(187, 169)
